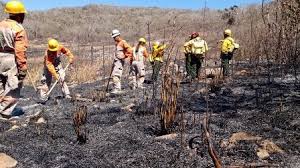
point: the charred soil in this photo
(122, 131)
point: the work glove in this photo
(22, 74)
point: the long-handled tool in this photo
(53, 86)
(107, 86)
(30, 78)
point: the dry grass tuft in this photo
(80, 72)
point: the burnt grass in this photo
(119, 138)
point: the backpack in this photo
(198, 46)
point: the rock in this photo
(271, 147)
(14, 122)
(41, 120)
(7, 161)
(241, 73)
(236, 137)
(96, 106)
(77, 95)
(238, 90)
(242, 136)
(202, 91)
(14, 128)
(262, 154)
(113, 101)
(166, 137)
(295, 123)
(2, 146)
(128, 108)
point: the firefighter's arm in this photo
(21, 44)
(51, 68)
(161, 49)
(68, 53)
(187, 46)
(128, 50)
(189, 43)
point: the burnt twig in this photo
(211, 150)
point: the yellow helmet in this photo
(228, 32)
(53, 45)
(15, 7)
(142, 40)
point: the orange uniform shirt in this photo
(123, 50)
(13, 38)
(52, 59)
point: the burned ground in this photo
(126, 137)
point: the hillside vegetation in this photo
(94, 23)
(266, 32)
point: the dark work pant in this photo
(156, 69)
(225, 63)
(188, 61)
(196, 63)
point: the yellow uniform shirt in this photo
(158, 53)
(197, 46)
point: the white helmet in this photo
(115, 33)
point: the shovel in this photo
(46, 97)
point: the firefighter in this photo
(53, 68)
(137, 70)
(123, 51)
(227, 49)
(13, 60)
(188, 53)
(198, 48)
(157, 59)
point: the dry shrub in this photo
(85, 71)
(35, 69)
(80, 72)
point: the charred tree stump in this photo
(168, 106)
(79, 121)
